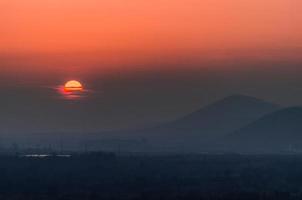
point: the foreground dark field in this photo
(152, 177)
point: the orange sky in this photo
(143, 29)
(154, 54)
(80, 25)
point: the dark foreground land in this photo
(152, 177)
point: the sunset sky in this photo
(135, 29)
(173, 55)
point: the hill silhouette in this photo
(211, 122)
(277, 131)
(39, 121)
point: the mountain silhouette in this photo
(212, 121)
(278, 131)
(39, 119)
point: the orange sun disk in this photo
(72, 86)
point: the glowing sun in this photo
(73, 86)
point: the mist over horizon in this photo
(150, 99)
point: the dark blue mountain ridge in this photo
(218, 118)
(199, 130)
(276, 131)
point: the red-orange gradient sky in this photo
(73, 37)
(141, 29)
(147, 61)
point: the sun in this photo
(72, 86)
